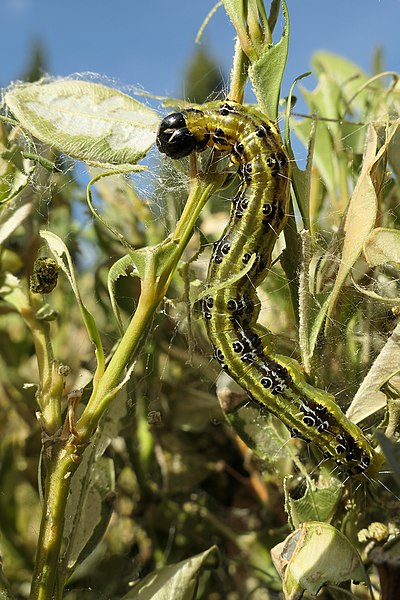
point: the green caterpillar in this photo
(230, 310)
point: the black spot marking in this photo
(267, 209)
(219, 136)
(238, 148)
(322, 426)
(246, 258)
(266, 382)
(351, 456)
(270, 161)
(226, 109)
(281, 159)
(279, 388)
(209, 301)
(309, 420)
(207, 315)
(279, 369)
(261, 131)
(365, 461)
(231, 305)
(237, 347)
(218, 354)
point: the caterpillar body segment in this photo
(258, 215)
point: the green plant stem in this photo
(59, 469)
(238, 73)
(61, 462)
(51, 384)
(50, 381)
(5, 590)
(27, 307)
(153, 291)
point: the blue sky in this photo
(149, 43)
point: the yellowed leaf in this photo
(382, 246)
(361, 213)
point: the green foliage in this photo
(122, 469)
(203, 75)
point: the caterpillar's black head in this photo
(175, 139)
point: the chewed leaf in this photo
(121, 268)
(89, 508)
(315, 555)
(87, 121)
(382, 246)
(318, 503)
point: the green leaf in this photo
(90, 502)
(391, 450)
(11, 219)
(15, 172)
(301, 179)
(267, 71)
(87, 121)
(121, 268)
(312, 310)
(89, 508)
(266, 436)
(64, 261)
(177, 582)
(315, 555)
(13, 292)
(347, 75)
(323, 150)
(150, 261)
(362, 210)
(235, 11)
(382, 246)
(153, 258)
(318, 503)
